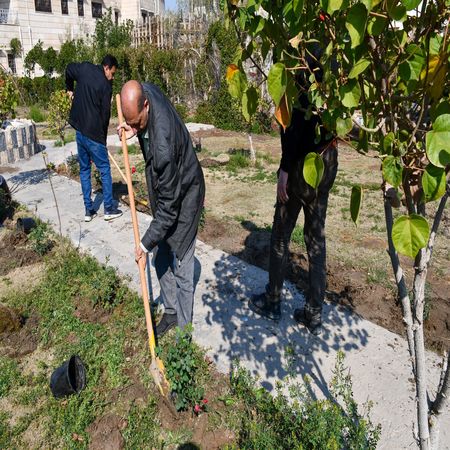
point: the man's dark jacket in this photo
(91, 107)
(174, 177)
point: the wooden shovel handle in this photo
(137, 239)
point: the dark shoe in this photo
(314, 324)
(167, 322)
(264, 306)
(113, 214)
(89, 215)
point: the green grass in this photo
(237, 161)
(36, 114)
(297, 236)
(9, 375)
(69, 137)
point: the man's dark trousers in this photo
(176, 278)
(314, 204)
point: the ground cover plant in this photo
(79, 306)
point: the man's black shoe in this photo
(167, 322)
(314, 324)
(261, 304)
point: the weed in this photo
(5, 431)
(134, 149)
(237, 161)
(40, 239)
(142, 430)
(377, 276)
(36, 115)
(9, 375)
(297, 236)
(275, 422)
(69, 138)
(73, 165)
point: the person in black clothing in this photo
(176, 189)
(90, 113)
(294, 194)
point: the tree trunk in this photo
(252, 149)
(402, 289)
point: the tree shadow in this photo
(27, 178)
(272, 350)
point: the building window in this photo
(43, 5)
(96, 10)
(64, 7)
(80, 8)
(12, 63)
(116, 17)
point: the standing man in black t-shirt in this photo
(293, 194)
(90, 113)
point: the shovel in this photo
(156, 367)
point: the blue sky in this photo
(171, 4)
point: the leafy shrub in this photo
(36, 114)
(40, 239)
(37, 91)
(9, 96)
(304, 423)
(73, 166)
(183, 362)
(59, 107)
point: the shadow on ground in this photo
(274, 349)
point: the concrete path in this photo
(377, 358)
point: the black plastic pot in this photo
(25, 224)
(70, 378)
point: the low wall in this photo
(18, 141)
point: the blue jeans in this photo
(91, 151)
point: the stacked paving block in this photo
(18, 141)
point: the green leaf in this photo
(376, 25)
(237, 84)
(438, 141)
(387, 143)
(396, 11)
(297, 6)
(411, 4)
(433, 182)
(392, 170)
(334, 5)
(410, 234)
(249, 103)
(343, 126)
(277, 82)
(313, 168)
(359, 68)
(356, 23)
(355, 203)
(350, 94)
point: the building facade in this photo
(55, 21)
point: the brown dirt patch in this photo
(14, 252)
(24, 341)
(105, 433)
(88, 313)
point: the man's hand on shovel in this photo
(140, 254)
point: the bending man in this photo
(176, 190)
(90, 113)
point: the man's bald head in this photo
(134, 104)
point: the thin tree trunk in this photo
(252, 149)
(421, 377)
(400, 281)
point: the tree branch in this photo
(370, 130)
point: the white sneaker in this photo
(113, 214)
(89, 215)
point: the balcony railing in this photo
(8, 16)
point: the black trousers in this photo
(314, 204)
